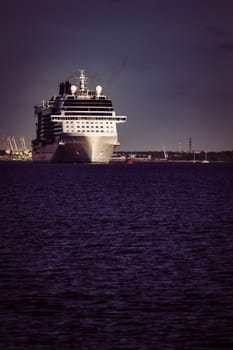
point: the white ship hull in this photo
(82, 149)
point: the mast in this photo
(165, 153)
(82, 80)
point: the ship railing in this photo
(59, 118)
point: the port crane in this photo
(15, 147)
(9, 146)
(23, 147)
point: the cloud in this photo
(118, 68)
(214, 30)
(228, 47)
(220, 35)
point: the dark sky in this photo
(166, 64)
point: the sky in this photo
(167, 65)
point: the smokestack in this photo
(190, 144)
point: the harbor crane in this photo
(23, 147)
(9, 146)
(15, 147)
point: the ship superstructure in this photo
(78, 125)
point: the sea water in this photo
(118, 256)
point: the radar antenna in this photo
(83, 80)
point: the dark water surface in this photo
(116, 256)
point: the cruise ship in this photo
(78, 125)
